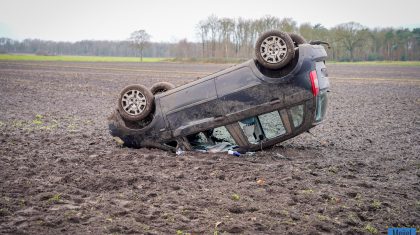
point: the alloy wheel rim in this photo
(133, 102)
(273, 49)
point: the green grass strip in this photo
(20, 57)
(380, 63)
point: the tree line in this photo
(226, 38)
(83, 48)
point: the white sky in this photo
(171, 20)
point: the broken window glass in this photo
(252, 129)
(321, 106)
(221, 134)
(213, 140)
(198, 141)
(272, 124)
(297, 115)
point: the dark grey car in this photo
(251, 106)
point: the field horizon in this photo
(79, 58)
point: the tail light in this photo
(314, 82)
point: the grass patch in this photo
(55, 198)
(38, 119)
(380, 63)
(376, 204)
(307, 191)
(71, 124)
(180, 232)
(68, 58)
(208, 60)
(333, 169)
(322, 217)
(372, 230)
(235, 197)
(353, 218)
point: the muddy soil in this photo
(61, 172)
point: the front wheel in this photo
(135, 102)
(274, 49)
(161, 87)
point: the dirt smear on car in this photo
(61, 172)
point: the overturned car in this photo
(279, 94)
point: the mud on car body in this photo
(259, 103)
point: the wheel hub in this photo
(133, 102)
(273, 49)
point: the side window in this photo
(251, 129)
(221, 134)
(272, 125)
(198, 141)
(213, 140)
(297, 115)
(265, 126)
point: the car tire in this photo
(161, 87)
(274, 49)
(297, 39)
(135, 102)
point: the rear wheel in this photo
(274, 49)
(161, 87)
(297, 39)
(135, 102)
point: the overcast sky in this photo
(171, 20)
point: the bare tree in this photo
(213, 26)
(288, 25)
(242, 36)
(238, 36)
(203, 31)
(351, 35)
(268, 23)
(306, 30)
(183, 49)
(139, 39)
(227, 27)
